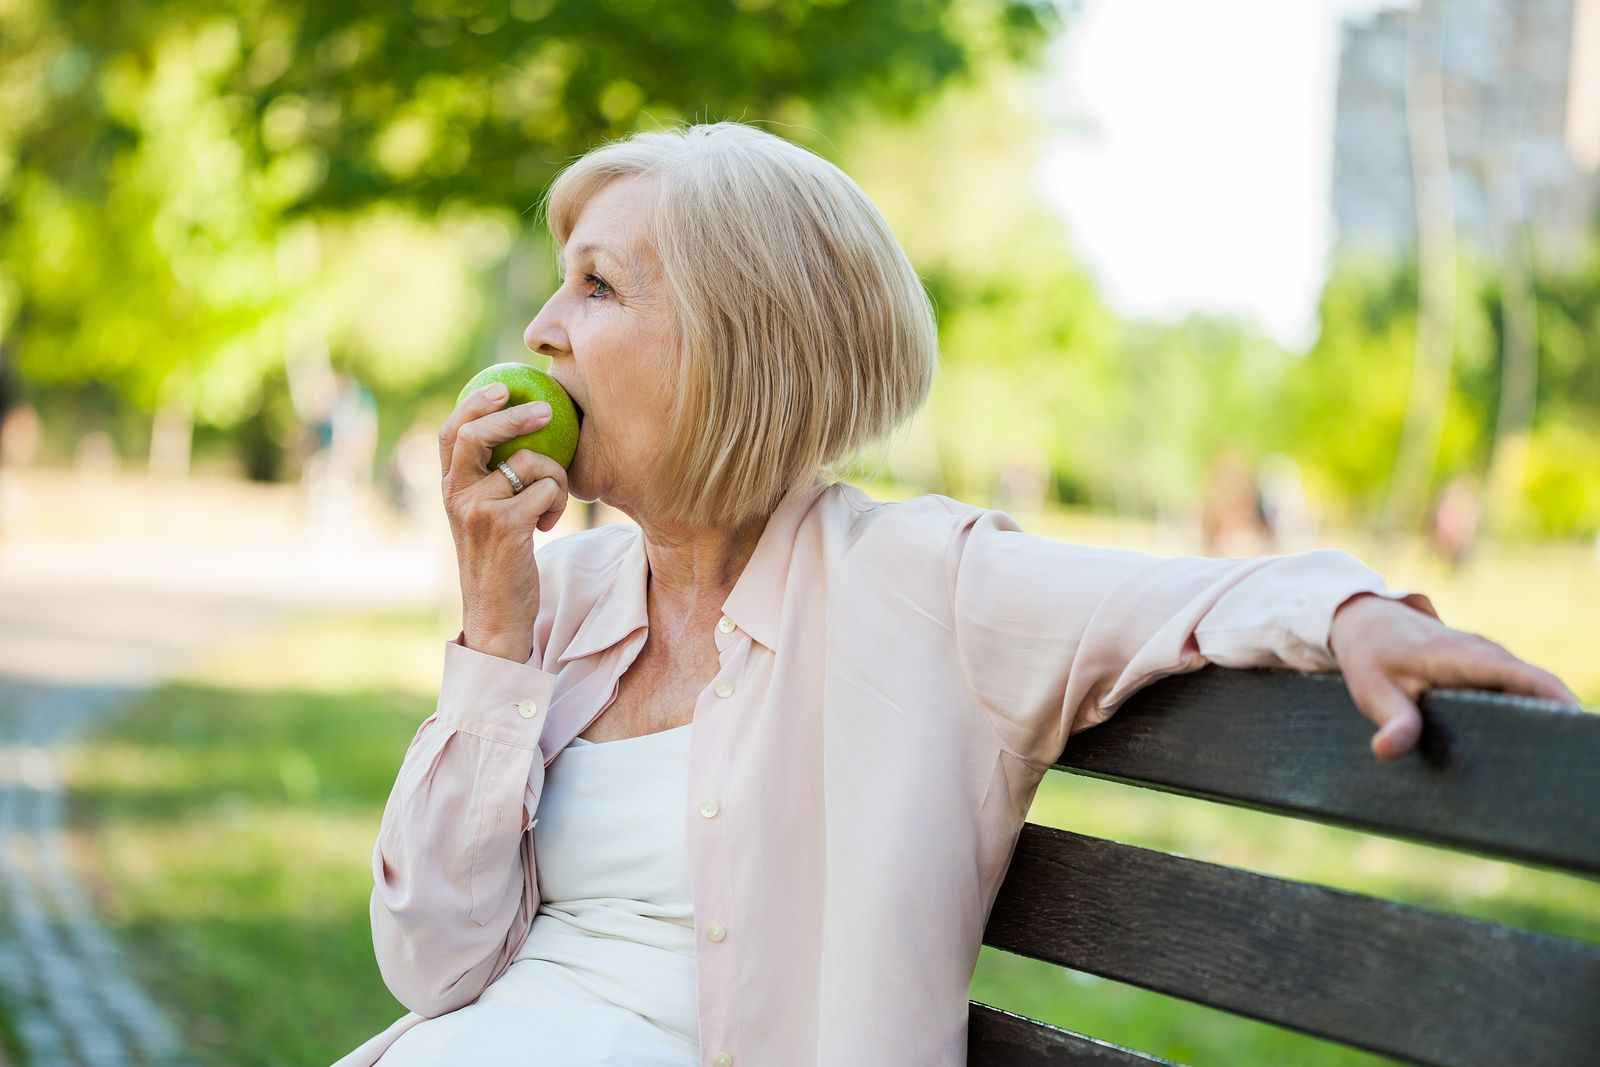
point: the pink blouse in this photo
(896, 678)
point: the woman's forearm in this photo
(451, 900)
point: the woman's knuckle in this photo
(1443, 646)
(1482, 648)
(1445, 638)
(1505, 654)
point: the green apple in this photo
(558, 438)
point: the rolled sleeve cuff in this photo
(1312, 626)
(495, 698)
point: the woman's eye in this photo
(601, 286)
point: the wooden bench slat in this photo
(1387, 977)
(1505, 776)
(997, 1038)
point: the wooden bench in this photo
(1502, 776)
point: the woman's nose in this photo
(544, 337)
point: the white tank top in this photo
(606, 973)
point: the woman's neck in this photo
(692, 570)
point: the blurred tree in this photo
(1429, 380)
(1519, 326)
(1561, 486)
(172, 171)
(1024, 336)
(1348, 395)
(1037, 374)
(438, 99)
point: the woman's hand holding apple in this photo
(492, 526)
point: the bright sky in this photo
(1194, 150)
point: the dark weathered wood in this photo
(998, 1038)
(1501, 775)
(1387, 977)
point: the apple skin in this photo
(525, 383)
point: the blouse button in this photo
(724, 688)
(715, 932)
(709, 809)
(722, 1059)
(726, 625)
(528, 708)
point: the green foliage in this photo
(190, 193)
(1349, 393)
(336, 105)
(194, 200)
(1562, 491)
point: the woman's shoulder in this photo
(924, 523)
(856, 505)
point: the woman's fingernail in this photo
(541, 408)
(495, 392)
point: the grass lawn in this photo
(224, 827)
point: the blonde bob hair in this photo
(803, 332)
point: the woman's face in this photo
(610, 332)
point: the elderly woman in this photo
(778, 738)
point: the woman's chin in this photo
(578, 481)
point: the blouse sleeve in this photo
(451, 899)
(1054, 636)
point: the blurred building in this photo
(1513, 86)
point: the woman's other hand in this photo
(493, 528)
(1390, 653)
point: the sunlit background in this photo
(1214, 277)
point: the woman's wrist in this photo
(517, 648)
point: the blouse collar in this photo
(754, 604)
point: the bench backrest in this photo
(1503, 776)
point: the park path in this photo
(91, 615)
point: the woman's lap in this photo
(537, 1016)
